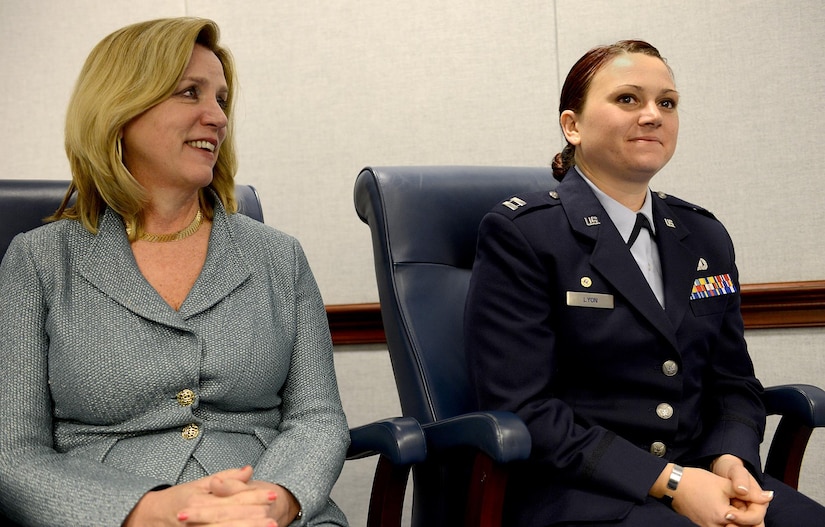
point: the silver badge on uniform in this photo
(514, 203)
(592, 221)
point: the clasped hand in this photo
(729, 496)
(228, 499)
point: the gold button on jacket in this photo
(190, 431)
(185, 397)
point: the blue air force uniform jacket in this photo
(562, 329)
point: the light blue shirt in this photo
(644, 249)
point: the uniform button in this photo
(658, 449)
(664, 410)
(190, 431)
(670, 368)
(185, 397)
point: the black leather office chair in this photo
(399, 442)
(424, 223)
(25, 202)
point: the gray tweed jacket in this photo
(107, 392)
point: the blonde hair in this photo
(128, 72)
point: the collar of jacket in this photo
(614, 262)
(109, 264)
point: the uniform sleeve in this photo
(38, 485)
(308, 455)
(512, 354)
(733, 392)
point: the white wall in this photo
(750, 135)
(328, 87)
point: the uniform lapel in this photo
(678, 261)
(610, 256)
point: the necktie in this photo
(641, 221)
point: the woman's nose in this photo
(214, 115)
(651, 114)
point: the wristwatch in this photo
(675, 477)
(672, 483)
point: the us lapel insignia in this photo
(592, 221)
(703, 265)
(712, 286)
(669, 223)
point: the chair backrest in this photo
(25, 202)
(424, 224)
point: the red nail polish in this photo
(272, 496)
(182, 516)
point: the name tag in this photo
(598, 300)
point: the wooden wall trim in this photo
(356, 324)
(784, 305)
(769, 305)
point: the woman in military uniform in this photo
(607, 317)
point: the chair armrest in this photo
(501, 435)
(803, 402)
(802, 408)
(399, 439)
(401, 444)
(493, 440)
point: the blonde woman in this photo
(166, 361)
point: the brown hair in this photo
(577, 84)
(128, 72)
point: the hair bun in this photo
(558, 166)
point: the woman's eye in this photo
(625, 99)
(223, 103)
(190, 93)
(670, 104)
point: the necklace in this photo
(191, 229)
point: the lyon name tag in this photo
(598, 300)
